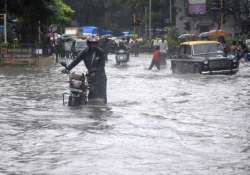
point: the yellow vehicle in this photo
(206, 57)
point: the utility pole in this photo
(170, 11)
(146, 23)
(39, 32)
(5, 22)
(150, 20)
(134, 23)
(221, 14)
(106, 13)
(5, 28)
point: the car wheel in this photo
(71, 101)
(117, 62)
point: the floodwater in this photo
(155, 123)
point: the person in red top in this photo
(156, 58)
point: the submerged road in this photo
(155, 123)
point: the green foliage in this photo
(43, 10)
(4, 45)
(238, 9)
(172, 38)
(31, 13)
(63, 12)
(118, 13)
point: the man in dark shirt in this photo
(94, 60)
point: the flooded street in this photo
(155, 123)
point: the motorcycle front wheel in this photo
(74, 101)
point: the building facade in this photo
(196, 18)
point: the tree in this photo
(117, 14)
(63, 12)
(239, 10)
(30, 13)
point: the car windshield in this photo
(81, 44)
(200, 49)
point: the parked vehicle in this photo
(77, 46)
(187, 36)
(205, 57)
(213, 34)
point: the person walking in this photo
(156, 58)
(163, 51)
(94, 59)
(136, 47)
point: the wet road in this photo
(156, 123)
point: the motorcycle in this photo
(79, 89)
(121, 56)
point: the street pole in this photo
(39, 33)
(221, 14)
(170, 11)
(146, 24)
(5, 21)
(5, 28)
(106, 12)
(134, 21)
(150, 20)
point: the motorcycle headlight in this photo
(205, 62)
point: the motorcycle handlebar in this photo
(65, 71)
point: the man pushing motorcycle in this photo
(94, 60)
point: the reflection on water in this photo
(155, 123)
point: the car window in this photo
(182, 50)
(81, 44)
(206, 48)
(188, 50)
(185, 50)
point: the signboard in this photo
(197, 1)
(105, 32)
(71, 30)
(39, 51)
(197, 7)
(89, 30)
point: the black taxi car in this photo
(205, 57)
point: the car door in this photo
(182, 52)
(177, 63)
(185, 62)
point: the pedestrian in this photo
(94, 59)
(156, 58)
(104, 44)
(136, 47)
(233, 48)
(69, 48)
(156, 42)
(244, 51)
(163, 51)
(224, 46)
(61, 48)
